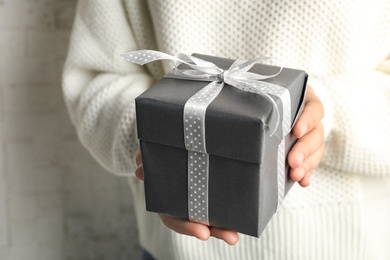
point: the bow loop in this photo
(240, 71)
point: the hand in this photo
(185, 227)
(309, 150)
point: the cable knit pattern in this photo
(345, 214)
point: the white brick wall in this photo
(3, 209)
(55, 201)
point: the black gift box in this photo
(243, 156)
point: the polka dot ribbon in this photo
(238, 76)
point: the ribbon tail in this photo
(268, 89)
(143, 57)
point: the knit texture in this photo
(343, 45)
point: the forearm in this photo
(100, 88)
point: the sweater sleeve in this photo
(359, 137)
(100, 88)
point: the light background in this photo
(55, 201)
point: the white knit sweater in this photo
(345, 213)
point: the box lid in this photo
(234, 120)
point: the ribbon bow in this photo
(200, 70)
(238, 76)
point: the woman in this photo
(344, 214)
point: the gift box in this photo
(241, 177)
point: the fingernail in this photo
(303, 130)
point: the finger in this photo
(229, 236)
(305, 182)
(139, 173)
(310, 164)
(314, 160)
(311, 115)
(138, 159)
(297, 174)
(305, 146)
(185, 227)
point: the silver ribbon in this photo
(238, 76)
